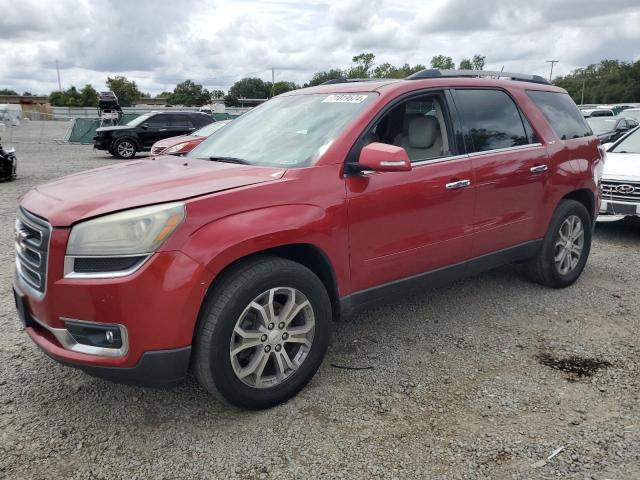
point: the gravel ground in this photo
(482, 379)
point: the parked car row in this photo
(610, 129)
(124, 141)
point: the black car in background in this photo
(124, 141)
(609, 129)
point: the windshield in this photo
(630, 144)
(209, 129)
(601, 124)
(139, 120)
(289, 131)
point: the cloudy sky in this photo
(159, 43)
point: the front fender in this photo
(223, 241)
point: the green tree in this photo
(69, 98)
(217, 94)
(8, 91)
(247, 88)
(88, 96)
(363, 64)
(478, 61)
(386, 70)
(465, 64)
(250, 88)
(282, 87)
(126, 90)
(321, 77)
(442, 62)
(189, 94)
(27, 94)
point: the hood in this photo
(622, 166)
(114, 128)
(138, 183)
(170, 142)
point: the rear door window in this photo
(181, 121)
(492, 120)
(561, 113)
(157, 121)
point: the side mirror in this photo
(381, 157)
(144, 126)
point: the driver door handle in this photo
(163, 130)
(458, 184)
(539, 169)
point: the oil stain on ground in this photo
(574, 366)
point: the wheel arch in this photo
(309, 255)
(585, 197)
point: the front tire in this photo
(565, 248)
(124, 148)
(262, 333)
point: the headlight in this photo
(175, 148)
(132, 232)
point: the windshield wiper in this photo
(229, 160)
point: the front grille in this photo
(32, 235)
(619, 190)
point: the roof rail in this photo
(435, 73)
(350, 80)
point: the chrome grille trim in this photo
(620, 190)
(32, 235)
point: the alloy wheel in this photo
(126, 149)
(272, 337)
(569, 244)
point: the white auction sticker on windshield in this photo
(344, 99)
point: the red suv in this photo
(234, 259)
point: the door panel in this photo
(508, 195)
(510, 167)
(406, 223)
(156, 130)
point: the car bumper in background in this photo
(612, 210)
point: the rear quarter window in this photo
(562, 114)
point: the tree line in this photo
(190, 93)
(610, 81)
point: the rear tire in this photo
(124, 148)
(242, 329)
(565, 248)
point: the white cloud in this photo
(216, 42)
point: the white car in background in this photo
(621, 179)
(632, 113)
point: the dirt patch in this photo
(574, 366)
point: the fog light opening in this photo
(95, 334)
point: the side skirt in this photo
(436, 278)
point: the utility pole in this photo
(584, 79)
(273, 82)
(552, 62)
(59, 82)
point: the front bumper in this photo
(613, 208)
(157, 307)
(101, 143)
